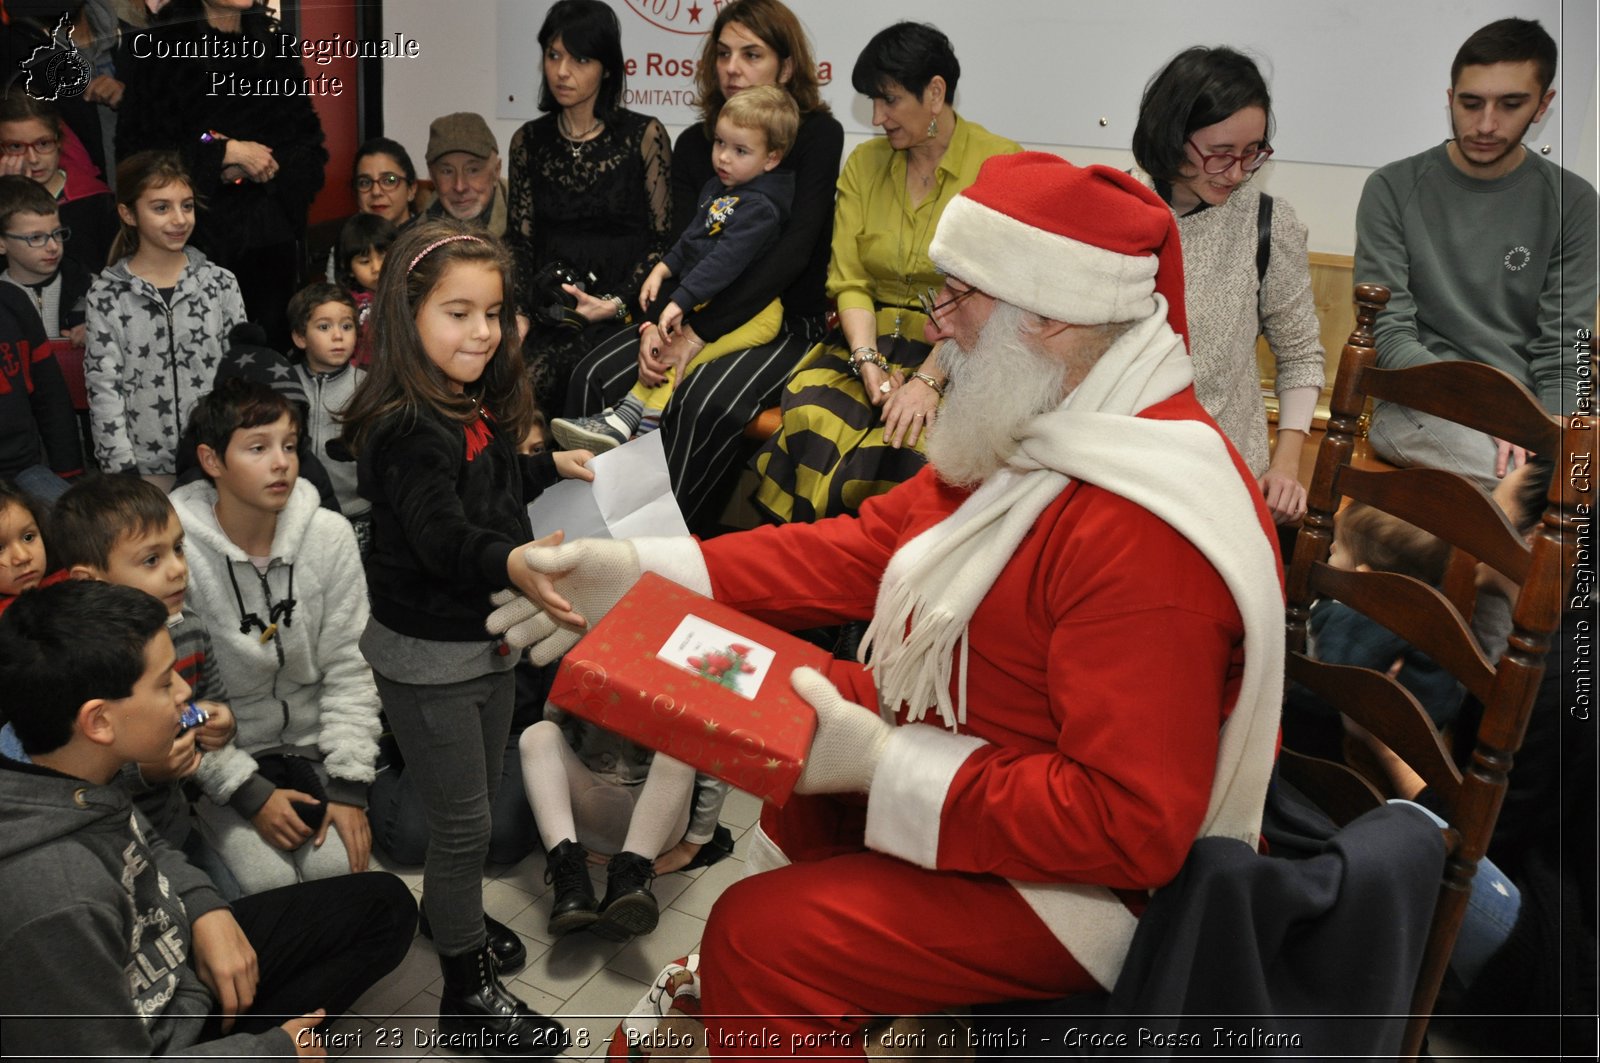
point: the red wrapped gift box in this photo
(684, 675)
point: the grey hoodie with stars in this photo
(146, 361)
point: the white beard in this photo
(996, 389)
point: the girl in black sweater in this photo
(435, 428)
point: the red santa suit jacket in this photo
(1103, 662)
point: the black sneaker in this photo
(567, 868)
(629, 907)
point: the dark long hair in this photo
(402, 379)
(1199, 87)
(771, 22)
(588, 30)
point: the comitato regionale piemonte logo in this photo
(55, 69)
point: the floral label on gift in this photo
(718, 655)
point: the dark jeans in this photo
(400, 823)
(321, 945)
(451, 735)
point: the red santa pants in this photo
(796, 960)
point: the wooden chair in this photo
(1460, 512)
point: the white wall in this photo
(457, 70)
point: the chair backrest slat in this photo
(1382, 706)
(1443, 504)
(1418, 613)
(1457, 391)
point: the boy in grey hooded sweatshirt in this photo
(115, 947)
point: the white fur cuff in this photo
(906, 804)
(678, 558)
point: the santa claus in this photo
(1075, 657)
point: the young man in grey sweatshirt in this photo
(1488, 251)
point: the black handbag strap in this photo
(1263, 237)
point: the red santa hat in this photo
(1085, 245)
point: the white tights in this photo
(571, 802)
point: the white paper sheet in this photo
(631, 495)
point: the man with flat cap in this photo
(464, 164)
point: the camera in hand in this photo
(553, 306)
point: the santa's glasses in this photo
(928, 298)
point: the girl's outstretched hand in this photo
(538, 587)
(575, 585)
(574, 464)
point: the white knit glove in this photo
(519, 620)
(592, 574)
(848, 743)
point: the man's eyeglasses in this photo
(60, 236)
(388, 180)
(929, 301)
(1222, 162)
(42, 146)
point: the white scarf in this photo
(1178, 470)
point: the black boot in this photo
(629, 907)
(476, 1009)
(509, 951)
(567, 867)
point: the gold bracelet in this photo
(937, 386)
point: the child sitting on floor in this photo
(278, 580)
(115, 947)
(592, 788)
(122, 529)
(23, 558)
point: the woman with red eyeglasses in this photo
(35, 143)
(1204, 131)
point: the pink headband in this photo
(440, 243)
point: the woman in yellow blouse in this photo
(857, 408)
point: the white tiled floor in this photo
(587, 982)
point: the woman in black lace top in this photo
(590, 186)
